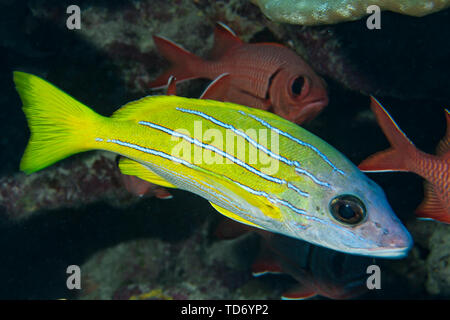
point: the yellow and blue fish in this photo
(251, 165)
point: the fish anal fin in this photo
(134, 168)
(431, 207)
(233, 216)
(224, 40)
(183, 62)
(299, 292)
(217, 89)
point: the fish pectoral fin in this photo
(217, 89)
(261, 202)
(233, 216)
(134, 168)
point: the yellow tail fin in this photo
(60, 126)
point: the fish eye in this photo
(297, 85)
(348, 209)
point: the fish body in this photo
(262, 75)
(404, 156)
(251, 165)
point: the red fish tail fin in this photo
(431, 207)
(184, 63)
(401, 155)
(444, 145)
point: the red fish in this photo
(267, 76)
(318, 271)
(404, 156)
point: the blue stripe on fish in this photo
(223, 154)
(178, 160)
(253, 191)
(150, 151)
(294, 163)
(300, 142)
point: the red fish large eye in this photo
(297, 86)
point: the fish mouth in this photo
(390, 253)
(316, 104)
(311, 109)
(398, 253)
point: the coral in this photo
(193, 268)
(154, 294)
(314, 12)
(73, 183)
(438, 262)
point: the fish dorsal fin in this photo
(128, 111)
(233, 216)
(134, 168)
(444, 144)
(137, 109)
(224, 40)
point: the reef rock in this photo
(316, 12)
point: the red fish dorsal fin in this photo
(184, 63)
(396, 158)
(444, 144)
(224, 40)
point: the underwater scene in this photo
(225, 150)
